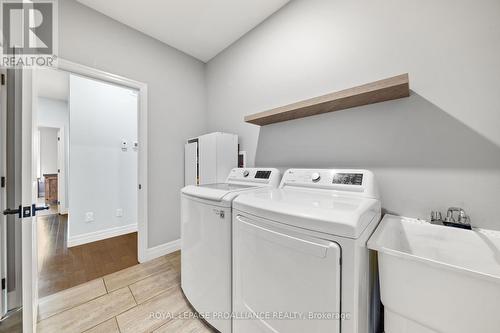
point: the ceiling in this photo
(53, 84)
(201, 28)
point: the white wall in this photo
(48, 150)
(103, 177)
(176, 100)
(438, 148)
(55, 113)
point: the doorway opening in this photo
(87, 171)
(49, 173)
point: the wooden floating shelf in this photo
(375, 92)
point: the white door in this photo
(20, 196)
(283, 281)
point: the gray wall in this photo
(103, 175)
(176, 101)
(438, 148)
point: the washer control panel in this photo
(339, 180)
(348, 178)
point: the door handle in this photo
(14, 211)
(35, 209)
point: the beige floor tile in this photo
(184, 326)
(135, 273)
(90, 314)
(173, 256)
(164, 307)
(12, 324)
(154, 285)
(175, 260)
(109, 326)
(69, 298)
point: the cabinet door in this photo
(284, 281)
(191, 163)
(47, 190)
(53, 189)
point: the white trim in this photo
(162, 250)
(101, 234)
(61, 170)
(3, 193)
(142, 224)
(13, 300)
(29, 196)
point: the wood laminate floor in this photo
(61, 267)
(139, 299)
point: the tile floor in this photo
(142, 298)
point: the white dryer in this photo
(300, 261)
(206, 241)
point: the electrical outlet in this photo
(119, 212)
(89, 217)
(124, 145)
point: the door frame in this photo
(142, 133)
(3, 193)
(61, 171)
(30, 262)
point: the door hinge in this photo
(58, 139)
(3, 280)
(140, 187)
(58, 170)
(2, 182)
(3, 79)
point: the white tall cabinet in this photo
(209, 158)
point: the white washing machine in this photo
(300, 261)
(206, 241)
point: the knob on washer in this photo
(246, 173)
(315, 177)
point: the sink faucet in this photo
(463, 220)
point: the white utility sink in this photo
(436, 278)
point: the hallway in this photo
(61, 267)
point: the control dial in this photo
(315, 177)
(245, 173)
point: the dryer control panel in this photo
(254, 176)
(349, 181)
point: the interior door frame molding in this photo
(142, 127)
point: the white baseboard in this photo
(161, 250)
(101, 234)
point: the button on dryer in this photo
(315, 177)
(246, 173)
